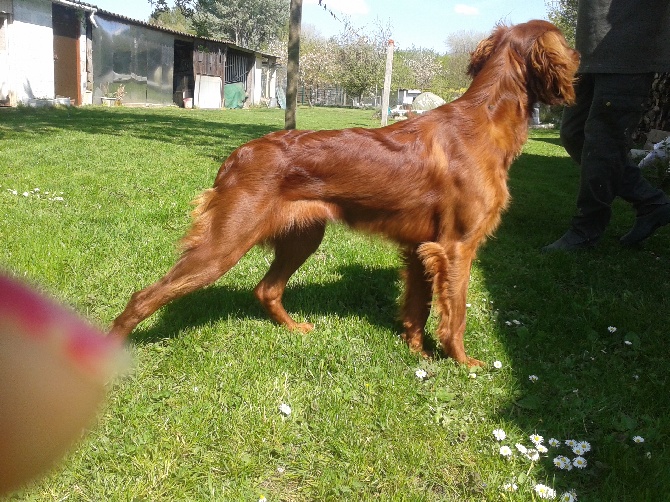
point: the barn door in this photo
(66, 28)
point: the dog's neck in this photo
(500, 95)
(502, 104)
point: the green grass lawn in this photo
(92, 203)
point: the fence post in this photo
(387, 83)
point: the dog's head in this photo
(538, 51)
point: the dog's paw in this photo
(303, 327)
(424, 353)
(414, 342)
(471, 361)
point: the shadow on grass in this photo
(202, 130)
(594, 384)
(551, 139)
(368, 293)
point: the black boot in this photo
(571, 241)
(646, 225)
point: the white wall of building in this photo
(30, 44)
(257, 91)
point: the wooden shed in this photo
(73, 52)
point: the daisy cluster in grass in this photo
(536, 450)
(566, 455)
(36, 193)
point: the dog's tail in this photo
(202, 220)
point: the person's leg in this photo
(652, 205)
(618, 103)
(573, 125)
(606, 169)
(575, 116)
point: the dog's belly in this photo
(410, 227)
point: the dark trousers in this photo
(596, 132)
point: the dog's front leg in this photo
(416, 302)
(450, 273)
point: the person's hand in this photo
(54, 367)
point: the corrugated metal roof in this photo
(96, 9)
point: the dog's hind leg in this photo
(213, 245)
(197, 268)
(416, 302)
(291, 250)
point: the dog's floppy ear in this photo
(484, 50)
(552, 67)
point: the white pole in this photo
(387, 83)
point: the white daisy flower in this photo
(545, 492)
(285, 409)
(562, 462)
(554, 442)
(499, 434)
(638, 439)
(579, 462)
(533, 378)
(421, 374)
(505, 451)
(611, 329)
(522, 449)
(510, 487)
(497, 365)
(536, 439)
(568, 497)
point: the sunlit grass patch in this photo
(576, 345)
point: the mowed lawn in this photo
(92, 203)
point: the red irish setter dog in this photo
(436, 184)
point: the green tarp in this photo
(234, 94)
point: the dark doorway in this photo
(66, 29)
(184, 78)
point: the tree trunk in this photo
(658, 115)
(292, 65)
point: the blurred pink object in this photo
(54, 368)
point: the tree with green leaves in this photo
(460, 45)
(563, 13)
(421, 67)
(247, 23)
(173, 19)
(318, 64)
(362, 58)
